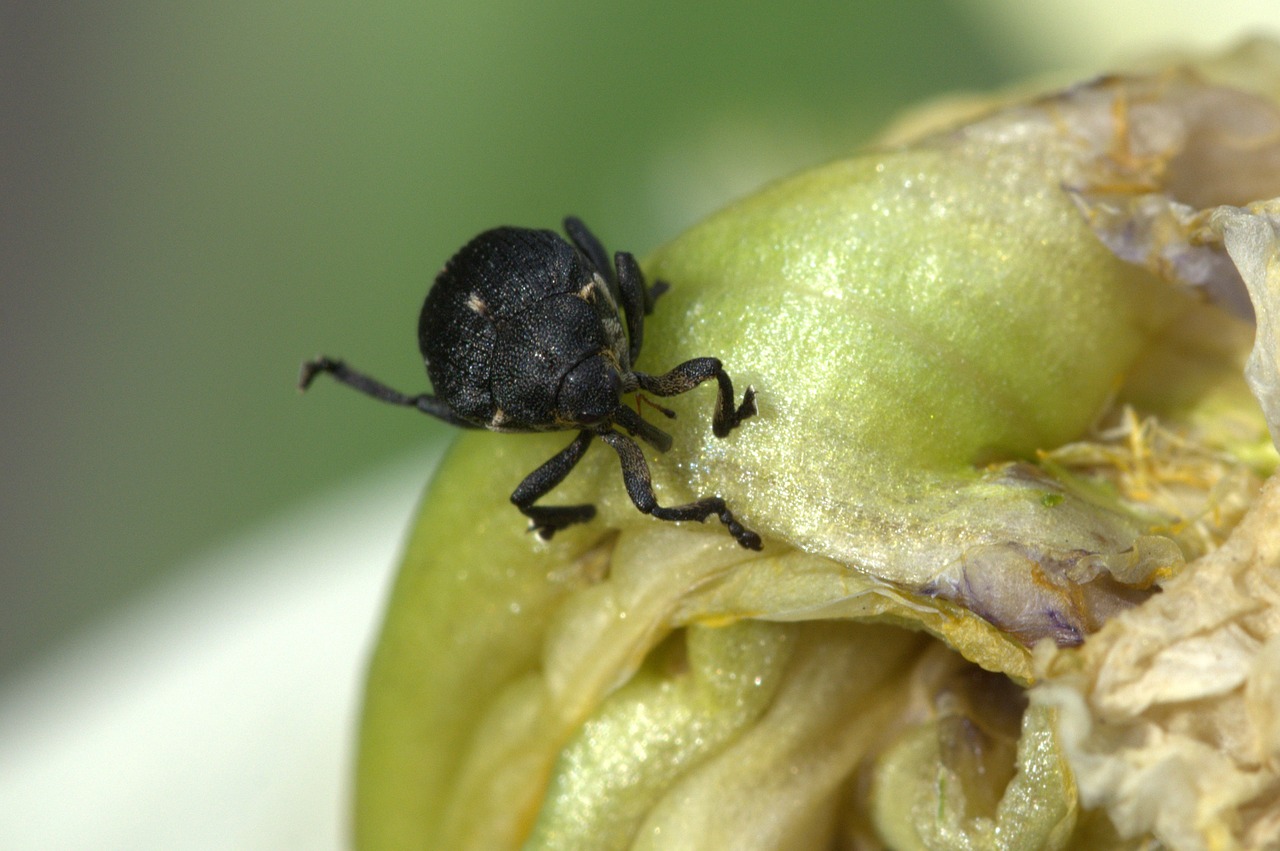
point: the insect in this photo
(522, 332)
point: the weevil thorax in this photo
(512, 316)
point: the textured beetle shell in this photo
(506, 320)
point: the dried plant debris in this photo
(1170, 715)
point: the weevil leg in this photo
(546, 520)
(587, 243)
(637, 298)
(424, 402)
(626, 281)
(639, 484)
(639, 427)
(690, 374)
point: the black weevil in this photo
(522, 332)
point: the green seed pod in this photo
(1001, 398)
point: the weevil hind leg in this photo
(639, 484)
(689, 375)
(546, 520)
(424, 402)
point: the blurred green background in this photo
(198, 196)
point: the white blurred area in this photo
(1090, 35)
(218, 713)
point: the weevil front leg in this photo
(424, 402)
(639, 484)
(546, 520)
(690, 374)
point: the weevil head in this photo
(590, 391)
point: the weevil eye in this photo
(589, 393)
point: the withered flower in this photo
(1021, 577)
